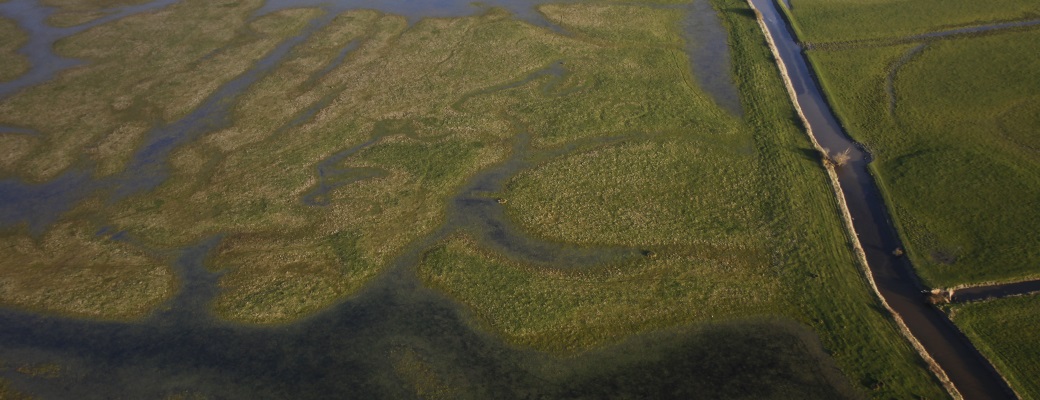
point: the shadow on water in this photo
(397, 340)
(384, 346)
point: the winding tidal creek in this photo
(397, 338)
(957, 362)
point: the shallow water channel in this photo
(396, 339)
(970, 373)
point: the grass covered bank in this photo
(948, 122)
(1004, 330)
(389, 120)
(951, 123)
(728, 213)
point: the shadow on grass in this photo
(743, 12)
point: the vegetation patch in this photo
(951, 153)
(76, 12)
(73, 270)
(144, 70)
(566, 311)
(12, 38)
(1004, 330)
(849, 20)
(731, 215)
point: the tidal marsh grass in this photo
(739, 222)
(81, 108)
(75, 12)
(12, 38)
(1004, 330)
(729, 210)
(73, 270)
(247, 181)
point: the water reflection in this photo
(707, 47)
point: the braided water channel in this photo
(395, 339)
(894, 278)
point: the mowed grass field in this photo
(1005, 331)
(735, 216)
(952, 125)
(824, 21)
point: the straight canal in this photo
(969, 373)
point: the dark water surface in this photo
(977, 293)
(707, 45)
(899, 285)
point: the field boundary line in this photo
(850, 231)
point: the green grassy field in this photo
(849, 20)
(729, 210)
(1004, 330)
(737, 216)
(12, 37)
(952, 127)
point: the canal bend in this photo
(958, 362)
